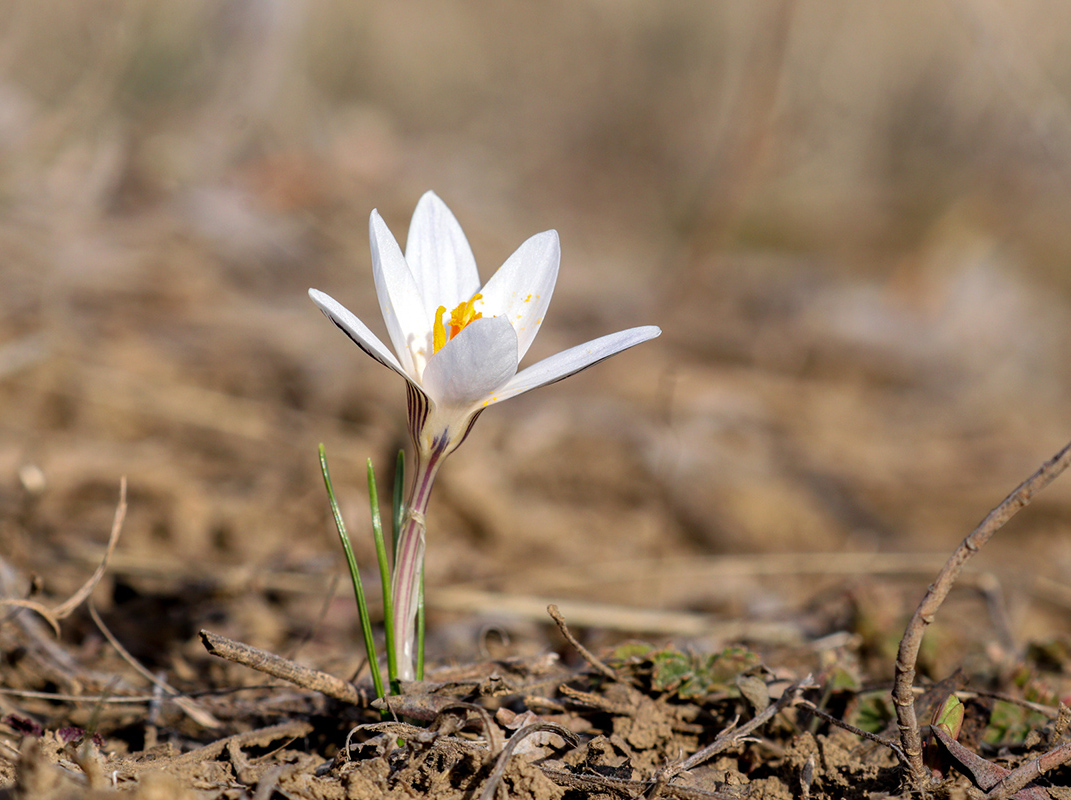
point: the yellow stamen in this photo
(464, 314)
(438, 330)
(460, 317)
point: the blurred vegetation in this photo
(773, 123)
(849, 219)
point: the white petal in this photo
(408, 323)
(571, 361)
(439, 256)
(356, 330)
(521, 289)
(473, 364)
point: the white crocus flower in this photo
(458, 346)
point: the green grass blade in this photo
(384, 577)
(355, 576)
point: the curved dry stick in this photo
(585, 654)
(491, 787)
(907, 655)
(40, 609)
(729, 736)
(490, 729)
(811, 708)
(986, 775)
(53, 615)
(194, 710)
(1012, 783)
(733, 734)
(64, 610)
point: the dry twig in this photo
(51, 658)
(985, 774)
(128, 699)
(491, 731)
(502, 761)
(907, 655)
(53, 615)
(64, 610)
(40, 609)
(279, 667)
(261, 737)
(839, 723)
(1012, 783)
(728, 737)
(628, 788)
(586, 654)
(194, 710)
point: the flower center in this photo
(460, 317)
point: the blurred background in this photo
(850, 221)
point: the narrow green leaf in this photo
(384, 577)
(355, 576)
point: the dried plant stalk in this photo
(284, 668)
(907, 655)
